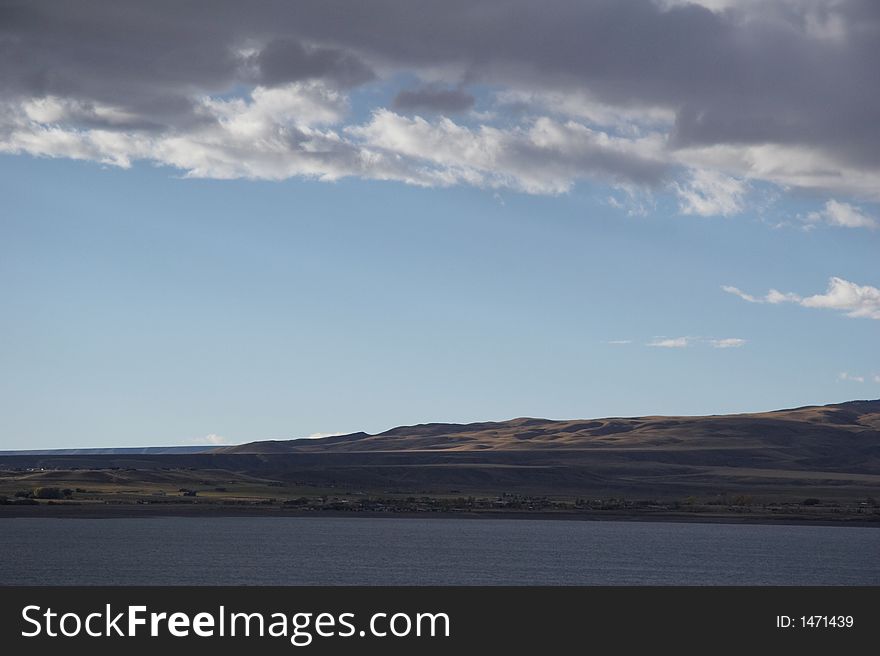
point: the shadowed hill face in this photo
(809, 426)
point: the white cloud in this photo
(619, 341)
(671, 342)
(842, 215)
(842, 295)
(582, 90)
(711, 193)
(211, 438)
(49, 140)
(633, 200)
(53, 109)
(542, 156)
(855, 300)
(727, 342)
(298, 103)
(773, 296)
(318, 436)
(299, 129)
(877, 378)
(730, 289)
(685, 342)
(784, 165)
(844, 376)
(271, 134)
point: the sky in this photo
(223, 222)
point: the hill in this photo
(760, 463)
(853, 425)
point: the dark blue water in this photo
(341, 551)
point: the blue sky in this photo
(350, 235)
(141, 308)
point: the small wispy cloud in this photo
(670, 342)
(619, 341)
(211, 438)
(841, 295)
(773, 296)
(727, 342)
(852, 378)
(711, 193)
(632, 200)
(318, 436)
(685, 342)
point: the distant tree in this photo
(812, 501)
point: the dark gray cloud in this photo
(793, 75)
(434, 99)
(287, 60)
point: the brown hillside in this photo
(853, 424)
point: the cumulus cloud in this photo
(293, 130)
(842, 215)
(708, 97)
(855, 300)
(273, 133)
(842, 295)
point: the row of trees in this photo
(45, 493)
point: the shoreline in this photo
(109, 511)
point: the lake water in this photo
(360, 551)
